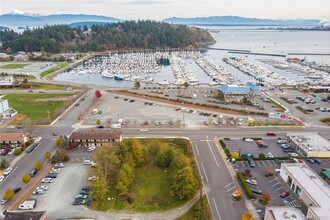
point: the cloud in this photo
(144, 2)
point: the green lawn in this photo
(32, 106)
(13, 66)
(51, 70)
(201, 211)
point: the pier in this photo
(260, 54)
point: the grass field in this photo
(13, 66)
(51, 70)
(201, 211)
(35, 106)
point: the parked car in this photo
(38, 191)
(310, 160)
(251, 163)
(252, 182)
(284, 194)
(1, 178)
(90, 149)
(317, 161)
(51, 175)
(56, 171)
(59, 165)
(33, 173)
(248, 140)
(43, 187)
(270, 155)
(16, 190)
(5, 151)
(86, 188)
(256, 191)
(87, 162)
(7, 171)
(3, 201)
(79, 202)
(54, 134)
(81, 196)
(144, 129)
(11, 151)
(47, 180)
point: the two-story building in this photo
(94, 138)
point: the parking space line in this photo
(279, 188)
(229, 184)
(243, 164)
(273, 180)
(231, 188)
(269, 163)
(274, 163)
(275, 184)
(264, 163)
(258, 163)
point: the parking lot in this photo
(239, 145)
(62, 191)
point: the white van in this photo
(29, 204)
(116, 126)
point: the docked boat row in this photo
(181, 72)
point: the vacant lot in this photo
(13, 66)
(144, 175)
(36, 107)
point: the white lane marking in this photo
(197, 149)
(229, 184)
(269, 163)
(274, 163)
(231, 188)
(207, 180)
(212, 153)
(216, 208)
(279, 188)
(273, 180)
(243, 164)
(276, 184)
(258, 163)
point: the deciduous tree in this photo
(247, 216)
(184, 183)
(9, 194)
(26, 178)
(125, 178)
(38, 165)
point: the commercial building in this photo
(4, 106)
(309, 187)
(17, 139)
(281, 212)
(94, 138)
(309, 144)
(326, 175)
(250, 88)
(8, 81)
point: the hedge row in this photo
(226, 150)
(245, 185)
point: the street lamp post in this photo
(183, 120)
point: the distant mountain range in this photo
(236, 21)
(22, 19)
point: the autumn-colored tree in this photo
(58, 141)
(98, 94)
(98, 122)
(47, 155)
(247, 216)
(266, 196)
(38, 165)
(238, 194)
(26, 178)
(235, 155)
(9, 194)
(270, 170)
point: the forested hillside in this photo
(112, 36)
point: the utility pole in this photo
(183, 119)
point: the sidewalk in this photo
(232, 172)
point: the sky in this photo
(161, 9)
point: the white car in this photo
(252, 182)
(38, 191)
(3, 201)
(157, 123)
(270, 155)
(11, 151)
(144, 129)
(7, 171)
(90, 149)
(88, 162)
(42, 187)
(54, 171)
(249, 140)
(59, 165)
(1, 178)
(162, 122)
(293, 155)
(47, 180)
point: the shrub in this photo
(227, 139)
(268, 174)
(246, 187)
(266, 196)
(261, 156)
(223, 145)
(3, 163)
(18, 151)
(38, 165)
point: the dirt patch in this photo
(186, 105)
(18, 119)
(54, 99)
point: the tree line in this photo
(144, 34)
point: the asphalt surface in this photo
(216, 178)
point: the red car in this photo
(284, 194)
(271, 134)
(5, 151)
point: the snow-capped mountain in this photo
(18, 12)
